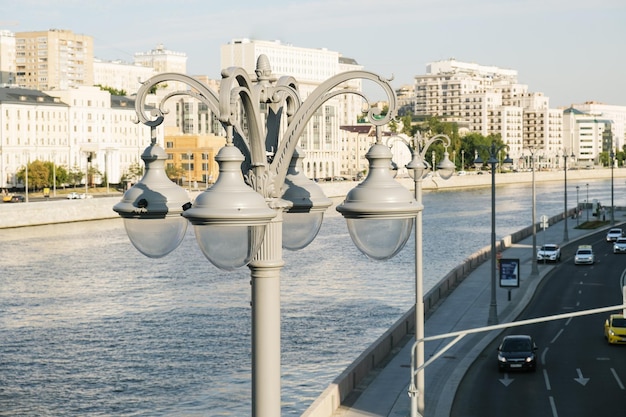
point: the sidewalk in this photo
(465, 308)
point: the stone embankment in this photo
(64, 211)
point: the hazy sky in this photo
(571, 50)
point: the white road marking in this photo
(619, 381)
(545, 377)
(553, 406)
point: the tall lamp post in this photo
(248, 219)
(493, 161)
(534, 268)
(587, 202)
(565, 232)
(612, 156)
(418, 168)
(577, 207)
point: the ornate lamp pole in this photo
(612, 159)
(418, 168)
(535, 269)
(259, 203)
(565, 232)
(493, 153)
(577, 207)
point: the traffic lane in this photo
(482, 393)
(583, 371)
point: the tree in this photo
(113, 91)
(57, 173)
(75, 176)
(134, 173)
(38, 175)
(174, 173)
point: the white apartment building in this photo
(489, 100)
(53, 59)
(617, 114)
(588, 135)
(7, 58)
(66, 127)
(120, 75)
(322, 140)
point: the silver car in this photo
(619, 246)
(584, 255)
(613, 234)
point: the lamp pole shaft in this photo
(612, 203)
(565, 232)
(493, 306)
(419, 297)
(265, 280)
(534, 269)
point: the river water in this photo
(90, 327)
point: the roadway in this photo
(578, 373)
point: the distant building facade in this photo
(53, 60)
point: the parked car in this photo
(584, 255)
(615, 329)
(517, 352)
(613, 234)
(619, 246)
(73, 196)
(550, 252)
(7, 198)
(17, 198)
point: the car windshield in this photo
(516, 345)
(584, 252)
(619, 322)
(548, 248)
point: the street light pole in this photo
(587, 202)
(418, 167)
(493, 153)
(565, 232)
(248, 220)
(577, 207)
(612, 155)
(534, 267)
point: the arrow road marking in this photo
(506, 381)
(582, 381)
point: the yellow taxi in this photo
(615, 329)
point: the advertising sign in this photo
(509, 273)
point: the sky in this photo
(572, 51)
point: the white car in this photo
(584, 255)
(613, 234)
(73, 196)
(550, 252)
(619, 246)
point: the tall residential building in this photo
(7, 57)
(489, 100)
(322, 139)
(54, 59)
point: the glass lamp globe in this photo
(303, 220)
(229, 218)
(379, 212)
(152, 208)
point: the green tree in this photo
(134, 173)
(75, 176)
(174, 173)
(113, 91)
(37, 175)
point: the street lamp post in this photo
(418, 167)
(577, 207)
(534, 268)
(247, 219)
(612, 156)
(565, 232)
(587, 202)
(493, 153)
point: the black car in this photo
(517, 352)
(18, 198)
